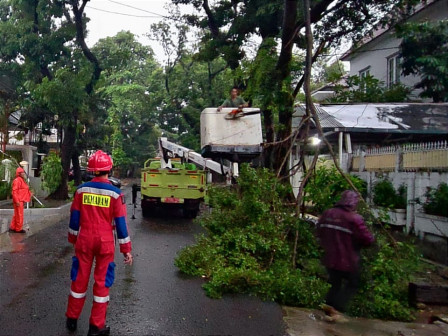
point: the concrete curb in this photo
(311, 322)
(35, 220)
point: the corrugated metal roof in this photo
(403, 118)
(326, 120)
(422, 117)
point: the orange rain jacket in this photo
(20, 189)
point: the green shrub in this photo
(249, 246)
(385, 195)
(5, 190)
(71, 187)
(385, 276)
(5, 186)
(437, 200)
(369, 90)
(325, 186)
(51, 172)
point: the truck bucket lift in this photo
(227, 140)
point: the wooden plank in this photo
(427, 293)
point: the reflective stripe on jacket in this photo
(342, 233)
(98, 209)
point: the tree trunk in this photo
(265, 86)
(268, 121)
(5, 129)
(76, 167)
(284, 98)
(67, 146)
(285, 121)
(80, 38)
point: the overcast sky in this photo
(108, 17)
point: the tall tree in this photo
(280, 24)
(33, 40)
(8, 99)
(130, 81)
(191, 83)
(424, 52)
(48, 38)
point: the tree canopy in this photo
(229, 26)
(118, 97)
(127, 92)
(424, 52)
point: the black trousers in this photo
(343, 286)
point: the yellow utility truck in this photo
(175, 180)
(176, 185)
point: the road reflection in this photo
(12, 242)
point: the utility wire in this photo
(123, 14)
(157, 15)
(143, 10)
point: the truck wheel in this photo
(147, 210)
(191, 213)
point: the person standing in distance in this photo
(20, 193)
(342, 233)
(235, 100)
(98, 209)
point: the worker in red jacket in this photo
(20, 193)
(98, 209)
(342, 233)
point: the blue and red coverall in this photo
(98, 209)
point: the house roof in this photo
(401, 118)
(331, 86)
(376, 33)
(326, 120)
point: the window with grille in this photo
(362, 76)
(364, 73)
(393, 70)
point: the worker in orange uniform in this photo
(20, 193)
(98, 209)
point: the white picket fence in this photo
(428, 156)
(412, 147)
(418, 147)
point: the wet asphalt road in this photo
(150, 297)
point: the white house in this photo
(378, 55)
(407, 143)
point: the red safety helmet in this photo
(100, 162)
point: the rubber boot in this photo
(95, 331)
(71, 324)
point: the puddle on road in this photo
(12, 242)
